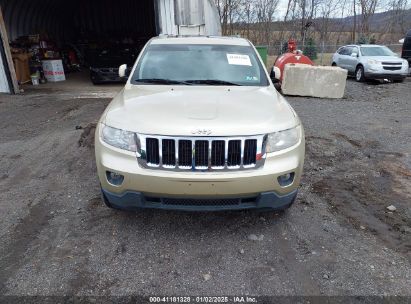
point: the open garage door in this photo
(94, 36)
(80, 20)
(76, 36)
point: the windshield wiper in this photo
(213, 82)
(161, 81)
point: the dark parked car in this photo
(406, 49)
(104, 63)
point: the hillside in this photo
(379, 22)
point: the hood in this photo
(184, 110)
(385, 58)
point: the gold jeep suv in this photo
(199, 126)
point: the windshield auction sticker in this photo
(238, 59)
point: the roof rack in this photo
(197, 36)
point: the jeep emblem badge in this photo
(201, 132)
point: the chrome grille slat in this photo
(234, 154)
(177, 149)
(226, 153)
(210, 151)
(242, 152)
(218, 154)
(185, 154)
(153, 157)
(168, 153)
(201, 153)
(160, 152)
(250, 152)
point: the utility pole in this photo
(354, 30)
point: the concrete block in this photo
(314, 81)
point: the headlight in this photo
(282, 140)
(373, 62)
(120, 139)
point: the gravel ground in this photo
(57, 238)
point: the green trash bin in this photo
(263, 51)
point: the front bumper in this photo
(379, 72)
(135, 200)
(385, 76)
(146, 188)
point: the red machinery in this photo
(292, 56)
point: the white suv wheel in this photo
(359, 74)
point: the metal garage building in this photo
(66, 20)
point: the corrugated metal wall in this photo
(212, 19)
(63, 20)
(165, 13)
(167, 19)
(31, 17)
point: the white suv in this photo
(371, 62)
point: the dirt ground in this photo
(57, 238)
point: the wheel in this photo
(277, 86)
(359, 74)
(95, 82)
(94, 78)
(399, 80)
(334, 64)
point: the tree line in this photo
(270, 22)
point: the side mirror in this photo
(122, 71)
(354, 55)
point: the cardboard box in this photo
(53, 70)
(21, 65)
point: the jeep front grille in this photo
(201, 153)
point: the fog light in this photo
(286, 179)
(114, 178)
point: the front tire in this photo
(359, 74)
(277, 86)
(96, 82)
(401, 80)
(334, 64)
(106, 201)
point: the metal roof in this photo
(63, 20)
(165, 39)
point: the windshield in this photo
(376, 51)
(201, 65)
